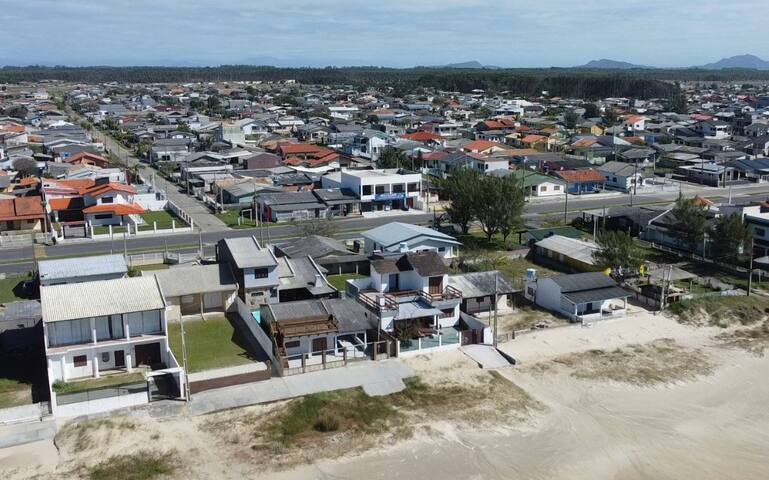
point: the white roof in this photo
(394, 233)
(570, 247)
(96, 299)
(82, 267)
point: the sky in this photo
(395, 33)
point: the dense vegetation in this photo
(561, 82)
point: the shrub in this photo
(327, 422)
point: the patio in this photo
(443, 337)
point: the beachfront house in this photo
(581, 297)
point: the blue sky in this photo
(400, 33)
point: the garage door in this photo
(212, 300)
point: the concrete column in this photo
(126, 327)
(95, 364)
(63, 361)
(128, 361)
(93, 330)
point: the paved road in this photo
(201, 215)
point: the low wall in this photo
(209, 380)
(259, 334)
(101, 405)
(23, 413)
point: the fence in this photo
(227, 377)
(333, 358)
(101, 393)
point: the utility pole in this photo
(184, 361)
(496, 303)
(566, 203)
(750, 269)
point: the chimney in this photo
(318, 281)
(404, 247)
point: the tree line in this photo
(529, 82)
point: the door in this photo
(148, 354)
(119, 358)
(394, 283)
(318, 345)
(436, 285)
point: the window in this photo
(105, 357)
(399, 188)
(107, 199)
(446, 313)
(366, 190)
(442, 249)
(557, 188)
(543, 188)
(260, 273)
(102, 216)
(80, 361)
(69, 332)
(143, 323)
(379, 189)
(760, 232)
(292, 344)
(413, 187)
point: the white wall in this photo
(100, 405)
(548, 294)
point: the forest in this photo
(588, 84)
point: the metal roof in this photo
(480, 284)
(82, 267)
(583, 281)
(193, 279)
(95, 299)
(569, 247)
(396, 232)
(597, 295)
(247, 253)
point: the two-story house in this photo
(105, 327)
(255, 269)
(379, 190)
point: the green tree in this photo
(570, 119)
(392, 158)
(460, 190)
(610, 117)
(691, 221)
(618, 251)
(677, 103)
(731, 238)
(591, 110)
(511, 205)
(183, 127)
(25, 166)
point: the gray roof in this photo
(583, 281)
(193, 279)
(619, 168)
(82, 267)
(95, 299)
(569, 247)
(396, 232)
(349, 314)
(480, 284)
(247, 253)
(299, 309)
(314, 246)
(300, 273)
(597, 295)
(426, 264)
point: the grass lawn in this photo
(105, 229)
(211, 343)
(163, 218)
(230, 218)
(10, 289)
(149, 268)
(14, 392)
(476, 240)
(339, 281)
(92, 383)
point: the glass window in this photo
(379, 189)
(80, 361)
(116, 322)
(69, 332)
(107, 199)
(151, 322)
(135, 324)
(261, 273)
(102, 328)
(366, 189)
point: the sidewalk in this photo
(376, 378)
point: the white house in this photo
(581, 297)
(622, 176)
(398, 237)
(106, 327)
(380, 190)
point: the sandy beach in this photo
(715, 425)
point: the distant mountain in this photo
(606, 64)
(750, 62)
(471, 65)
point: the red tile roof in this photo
(533, 138)
(23, 208)
(581, 176)
(481, 145)
(58, 204)
(116, 209)
(87, 158)
(97, 190)
(422, 136)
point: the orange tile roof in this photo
(22, 208)
(58, 204)
(533, 138)
(96, 190)
(88, 158)
(116, 209)
(422, 136)
(299, 148)
(581, 176)
(481, 145)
